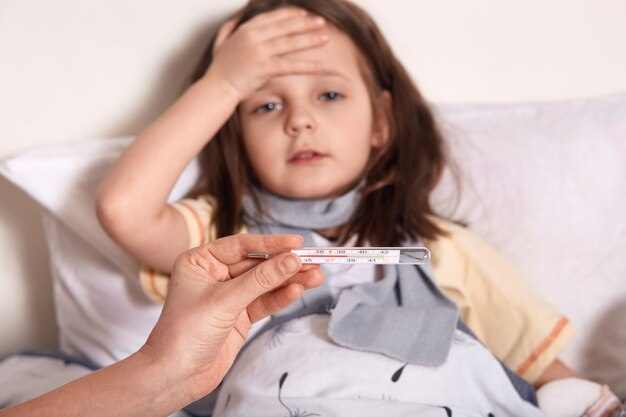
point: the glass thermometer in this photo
(356, 255)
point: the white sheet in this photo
(316, 373)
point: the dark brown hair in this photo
(400, 177)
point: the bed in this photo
(542, 182)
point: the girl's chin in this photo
(310, 193)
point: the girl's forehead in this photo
(340, 64)
(301, 82)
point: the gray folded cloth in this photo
(405, 315)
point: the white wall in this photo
(80, 69)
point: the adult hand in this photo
(247, 57)
(215, 294)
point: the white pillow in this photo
(101, 311)
(64, 178)
(546, 185)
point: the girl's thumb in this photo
(224, 32)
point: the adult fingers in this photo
(232, 249)
(282, 297)
(239, 268)
(237, 294)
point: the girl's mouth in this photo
(305, 156)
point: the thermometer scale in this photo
(356, 255)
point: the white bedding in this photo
(295, 369)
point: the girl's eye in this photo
(268, 107)
(331, 96)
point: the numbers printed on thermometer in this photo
(348, 256)
(357, 255)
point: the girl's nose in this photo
(298, 121)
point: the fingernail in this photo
(290, 264)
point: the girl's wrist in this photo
(221, 86)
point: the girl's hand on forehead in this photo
(247, 57)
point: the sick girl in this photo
(304, 121)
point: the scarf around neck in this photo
(404, 315)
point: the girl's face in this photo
(310, 136)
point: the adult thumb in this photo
(264, 278)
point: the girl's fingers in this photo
(289, 66)
(248, 56)
(289, 44)
(224, 32)
(290, 27)
(274, 16)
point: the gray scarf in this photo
(404, 316)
